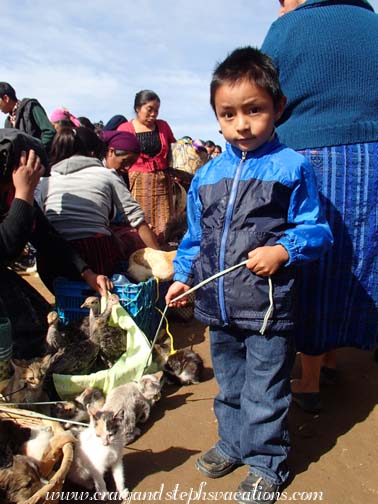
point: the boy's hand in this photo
(175, 290)
(26, 176)
(265, 261)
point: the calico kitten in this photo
(26, 383)
(135, 399)
(99, 447)
(185, 366)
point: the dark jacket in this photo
(25, 223)
(32, 119)
(236, 203)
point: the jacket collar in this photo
(266, 148)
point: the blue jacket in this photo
(326, 53)
(240, 201)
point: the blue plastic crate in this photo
(139, 300)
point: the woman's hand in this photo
(27, 175)
(175, 290)
(100, 283)
(265, 261)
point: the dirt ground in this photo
(334, 456)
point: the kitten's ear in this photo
(45, 361)
(17, 363)
(92, 411)
(120, 416)
(159, 375)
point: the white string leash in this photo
(268, 313)
(33, 414)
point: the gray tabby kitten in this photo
(134, 400)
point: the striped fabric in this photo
(338, 297)
(101, 253)
(153, 192)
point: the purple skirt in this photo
(338, 295)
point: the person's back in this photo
(80, 195)
(329, 75)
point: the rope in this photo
(32, 414)
(173, 351)
(270, 309)
(35, 403)
(267, 316)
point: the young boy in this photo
(257, 201)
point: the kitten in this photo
(135, 399)
(99, 447)
(77, 409)
(26, 383)
(184, 366)
(20, 481)
(148, 262)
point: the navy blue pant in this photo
(253, 374)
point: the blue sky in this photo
(93, 56)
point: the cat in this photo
(27, 455)
(184, 366)
(27, 383)
(77, 410)
(148, 262)
(39, 444)
(99, 447)
(135, 399)
(20, 481)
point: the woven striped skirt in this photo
(338, 296)
(153, 191)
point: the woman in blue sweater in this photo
(326, 52)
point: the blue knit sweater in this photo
(326, 52)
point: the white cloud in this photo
(92, 57)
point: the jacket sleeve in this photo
(310, 235)
(43, 123)
(15, 230)
(189, 247)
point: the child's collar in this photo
(266, 148)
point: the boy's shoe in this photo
(256, 490)
(214, 465)
(308, 401)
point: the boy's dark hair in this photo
(7, 89)
(251, 64)
(209, 143)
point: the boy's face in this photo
(246, 114)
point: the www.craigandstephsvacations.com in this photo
(178, 494)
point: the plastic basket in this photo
(137, 299)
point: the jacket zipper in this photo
(226, 228)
